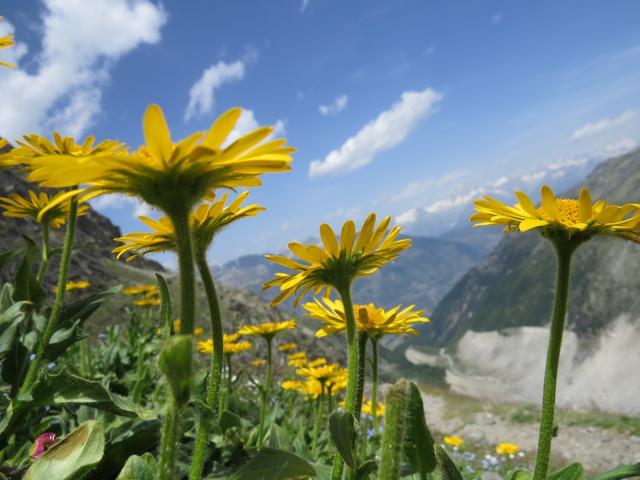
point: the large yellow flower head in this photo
(175, 176)
(207, 220)
(35, 206)
(6, 41)
(373, 320)
(337, 264)
(287, 347)
(269, 329)
(296, 385)
(297, 359)
(577, 219)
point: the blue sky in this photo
(407, 108)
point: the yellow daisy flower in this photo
(337, 264)
(507, 449)
(268, 329)
(317, 362)
(206, 221)
(321, 373)
(32, 206)
(6, 41)
(230, 345)
(293, 385)
(287, 347)
(174, 176)
(177, 324)
(453, 440)
(147, 302)
(297, 359)
(338, 381)
(236, 347)
(369, 318)
(258, 362)
(579, 218)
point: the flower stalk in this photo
(564, 251)
(63, 275)
(215, 373)
(316, 424)
(265, 393)
(374, 383)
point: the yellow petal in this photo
(347, 235)
(529, 224)
(584, 205)
(329, 240)
(156, 133)
(221, 128)
(549, 202)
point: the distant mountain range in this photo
(514, 285)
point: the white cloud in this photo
(132, 205)
(420, 186)
(408, 217)
(335, 107)
(247, 122)
(201, 97)
(80, 44)
(602, 125)
(389, 129)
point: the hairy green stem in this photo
(564, 253)
(265, 394)
(215, 373)
(184, 248)
(227, 396)
(394, 431)
(170, 437)
(140, 370)
(352, 365)
(374, 384)
(85, 359)
(363, 338)
(44, 261)
(50, 327)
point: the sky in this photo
(408, 108)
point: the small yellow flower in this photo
(206, 220)
(369, 318)
(146, 290)
(580, 218)
(337, 264)
(338, 381)
(367, 408)
(298, 359)
(259, 362)
(71, 285)
(507, 449)
(229, 344)
(321, 373)
(453, 440)
(317, 362)
(147, 302)
(197, 331)
(6, 41)
(287, 347)
(293, 385)
(268, 329)
(32, 207)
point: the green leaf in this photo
(229, 420)
(343, 434)
(62, 339)
(165, 306)
(366, 469)
(274, 464)
(520, 475)
(82, 308)
(448, 469)
(570, 472)
(621, 471)
(9, 322)
(418, 440)
(139, 468)
(5, 257)
(27, 287)
(175, 362)
(73, 457)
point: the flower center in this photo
(567, 211)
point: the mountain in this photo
(514, 285)
(420, 276)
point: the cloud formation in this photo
(389, 129)
(335, 107)
(590, 129)
(80, 44)
(201, 95)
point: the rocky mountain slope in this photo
(514, 285)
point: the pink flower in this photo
(42, 444)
